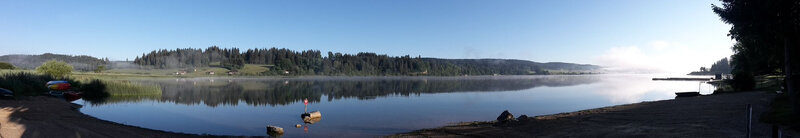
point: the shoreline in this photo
(720, 115)
(42, 116)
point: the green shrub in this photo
(55, 68)
(99, 69)
(4, 65)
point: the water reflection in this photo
(621, 89)
(215, 91)
(370, 106)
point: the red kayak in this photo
(72, 96)
(59, 86)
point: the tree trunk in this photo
(789, 77)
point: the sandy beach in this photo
(52, 117)
(721, 115)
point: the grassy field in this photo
(254, 69)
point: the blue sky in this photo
(624, 34)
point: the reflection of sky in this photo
(391, 114)
(634, 88)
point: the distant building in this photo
(180, 73)
(211, 73)
(285, 72)
(232, 73)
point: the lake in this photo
(370, 106)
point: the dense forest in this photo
(722, 66)
(82, 62)
(311, 62)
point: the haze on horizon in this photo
(624, 35)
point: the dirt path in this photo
(721, 115)
(52, 117)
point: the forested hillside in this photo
(722, 66)
(82, 62)
(311, 62)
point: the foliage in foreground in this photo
(31, 84)
(25, 84)
(765, 32)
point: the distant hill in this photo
(513, 66)
(82, 62)
(311, 62)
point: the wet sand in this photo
(43, 116)
(721, 115)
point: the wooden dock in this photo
(686, 94)
(683, 79)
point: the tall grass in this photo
(126, 88)
(120, 91)
(33, 84)
(25, 83)
(95, 90)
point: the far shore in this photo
(719, 115)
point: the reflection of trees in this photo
(285, 91)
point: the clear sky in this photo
(674, 35)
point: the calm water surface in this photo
(370, 106)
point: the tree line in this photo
(766, 35)
(311, 62)
(722, 66)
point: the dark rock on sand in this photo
(522, 117)
(505, 116)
